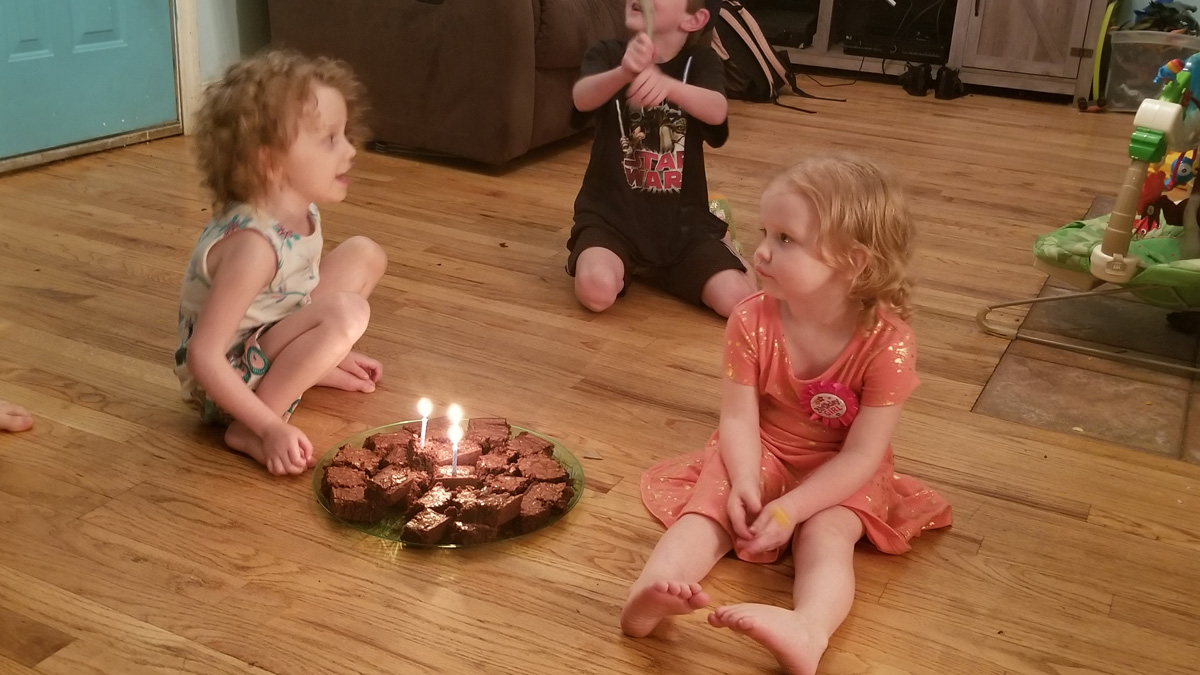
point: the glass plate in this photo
(390, 526)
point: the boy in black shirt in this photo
(643, 207)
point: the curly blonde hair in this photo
(861, 209)
(260, 104)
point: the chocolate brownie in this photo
(526, 444)
(465, 476)
(351, 503)
(363, 460)
(396, 455)
(342, 476)
(514, 485)
(541, 468)
(383, 443)
(437, 498)
(427, 527)
(534, 513)
(555, 494)
(435, 429)
(499, 508)
(394, 485)
(468, 505)
(471, 533)
(490, 432)
(496, 463)
(468, 452)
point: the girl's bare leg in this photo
(302, 349)
(669, 583)
(823, 549)
(355, 266)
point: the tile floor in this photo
(1156, 410)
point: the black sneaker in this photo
(948, 84)
(917, 79)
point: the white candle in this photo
(424, 406)
(456, 433)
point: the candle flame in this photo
(455, 413)
(455, 433)
(424, 406)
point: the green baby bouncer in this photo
(1149, 246)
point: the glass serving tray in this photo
(392, 524)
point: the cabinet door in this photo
(1034, 37)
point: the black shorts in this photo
(685, 279)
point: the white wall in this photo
(228, 30)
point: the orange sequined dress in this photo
(878, 366)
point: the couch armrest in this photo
(454, 77)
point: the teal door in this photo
(79, 70)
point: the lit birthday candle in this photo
(425, 407)
(455, 433)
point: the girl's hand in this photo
(639, 55)
(772, 530)
(286, 450)
(745, 502)
(650, 87)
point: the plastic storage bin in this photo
(1136, 57)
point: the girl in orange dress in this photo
(817, 366)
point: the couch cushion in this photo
(567, 28)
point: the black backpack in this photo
(753, 70)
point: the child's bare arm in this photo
(240, 266)
(839, 478)
(706, 105)
(594, 91)
(741, 452)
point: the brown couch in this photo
(487, 80)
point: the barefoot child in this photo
(262, 315)
(817, 367)
(14, 418)
(643, 207)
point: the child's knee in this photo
(598, 289)
(349, 313)
(369, 254)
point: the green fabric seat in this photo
(1177, 281)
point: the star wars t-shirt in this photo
(645, 180)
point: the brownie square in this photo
(393, 485)
(383, 443)
(514, 485)
(526, 444)
(351, 503)
(471, 533)
(437, 498)
(342, 477)
(542, 468)
(434, 430)
(363, 460)
(490, 432)
(535, 513)
(556, 495)
(465, 476)
(427, 527)
(470, 509)
(468, 452)
(395, 455)
(499, 508)
(496, 463)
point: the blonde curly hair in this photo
(260, 104)
(861, 209)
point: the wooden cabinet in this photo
(1037, 45)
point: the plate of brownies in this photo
(501, 481)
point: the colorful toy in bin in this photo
(1149, 246)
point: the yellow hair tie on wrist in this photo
(780, 517)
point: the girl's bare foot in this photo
(14, 418)
(649, 605)
(346, 381)
(783, 632)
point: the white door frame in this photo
(188, 90)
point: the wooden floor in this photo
(131, 543)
